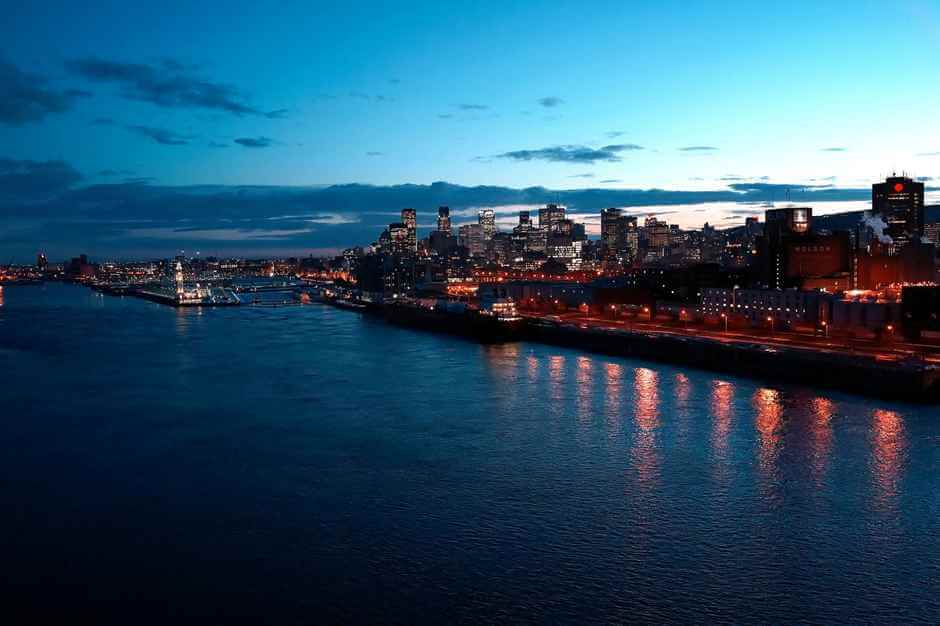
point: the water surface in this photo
(309, 465)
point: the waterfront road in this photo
(887, 350)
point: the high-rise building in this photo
(41, 261)
(899, 201)
(628, 236)
(410, 219)
(470, 236)
(657, 234)
(487, 221)
(443, 219)
(610, 229)
(399, 238)
(549, 215)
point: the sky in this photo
(143, 113)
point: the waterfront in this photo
(307, 463)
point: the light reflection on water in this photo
(417, 468)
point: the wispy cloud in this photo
(168, 84)
(613, 134)
(611, 180)
(473, 107)
(359, 95)
(550, 101)
(255, 142)
(698, 149)
(587, 175)
(375, 153)
(834, 149)
(26, 97)
(161, 135)
(571, 153)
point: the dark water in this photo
(306, 465)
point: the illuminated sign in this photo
(898, 187)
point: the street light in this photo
(825, 326)
(770, 320)
(724, 316)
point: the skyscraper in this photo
(550, 215)
(899, 201)
(410, 219)
(399, 238)
(443, 219)
(487, 220)
(610, 229)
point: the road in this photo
(886, 351)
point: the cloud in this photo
(613, 134)
(216, 144)
(374, 153)
(26, 97)
(550, 101)
(255, 142)
(370, 98)
(571, 154)
(473, 107)
(445, 116)
(588, 175)
(161, 135)
(278, 114)
(698, 149)
(833, 149)
(29, 181)
(924, 179)
(103, 121)
(611, 180)
(394, 81)
(67, 218)
(167, 84)
(109, 172)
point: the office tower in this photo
(899, 201)
(487, 221)
(657, 234)
(525, 221)
(399, 238)
(471, 238)
(610, 229)
(443, 219)
(410, 219)
(550, 215)
(628, 237)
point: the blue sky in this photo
(566, 95)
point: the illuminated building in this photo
(443, 220)
(549, 215)
(782, 227)
(470, 236)
(410, 220)
(657, 235)
(399, 239)
(610, 229)
(487, 221)
(899, 201)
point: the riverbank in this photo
(910, 379)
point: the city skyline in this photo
(143, 116)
